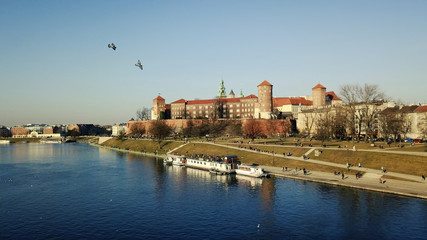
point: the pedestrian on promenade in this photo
(342, 175)
(296, 169)
(423, 177)
(283, 169)
(286, 169)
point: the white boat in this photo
(168, 160)
(250, 170)
(221, 167)
(179, 160)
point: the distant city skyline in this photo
(57, 68)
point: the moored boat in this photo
(179, 160)
(251, 170)
(216, 165)
(168, 160)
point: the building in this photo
(411, 121)
(263, 106)
(118, 129)
(230, 107)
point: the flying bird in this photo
(111, 45)
(138, 64)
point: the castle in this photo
(265, 106)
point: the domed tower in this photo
(319, 96)
(265, 100)
(159, 105)
(221, 90)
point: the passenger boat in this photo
(168, 160)
(179, 160)
(250, 170)
(175, 160)
(216, 165)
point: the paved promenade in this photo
(412, 186)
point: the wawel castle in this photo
(305, 112)
(265, 106)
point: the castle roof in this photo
(250, 96)
(421, 109)
(319, 86)
(277, 102)
(265, 83)
(179, 101)
(334, 97)
(159, 98)
(210, 101)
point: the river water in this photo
(77, 191)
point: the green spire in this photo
(241, 93)
(221, 90)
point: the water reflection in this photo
(93, 193)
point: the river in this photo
(77, 191)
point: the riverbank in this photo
(318, 171)
(129, 151)
(369, 181)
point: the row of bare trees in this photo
(253, 128)
(362, 112)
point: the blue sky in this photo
(55, 66)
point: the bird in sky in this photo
(138, 64)
(111, 45)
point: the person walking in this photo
(342, 176)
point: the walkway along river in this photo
(413, 187)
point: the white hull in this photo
(210, 166)
(251, 171)
(176, 160)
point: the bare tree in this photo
(325, 126)
(137, 129)
(392, 123)
(252, 129)
(340, 123)
(234, 128)
(363, 106)
(272, 127)
(218, 106)
(310, 117)
(160, 130)
(143, 114)
(285, 127)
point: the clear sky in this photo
(55, 66)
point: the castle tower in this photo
(241, 94)
(221, 90)
(265, 100)
(159, 106)
(319, 96)
(231, 95)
